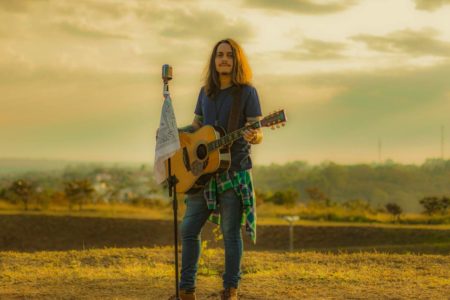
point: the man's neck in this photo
(225, 81)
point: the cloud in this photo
(312, 49)
(88, 31)
(172, 21)
(185, 23)
(348, 111)
(89, 8)
(342, 111)
(20, 6)
(412, 42)
(56, 112)
(31, 96)
(307, 7)
(114, 9)
(99, 37)
(430, 5)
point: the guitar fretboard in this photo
(231, 137)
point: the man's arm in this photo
(196, 124)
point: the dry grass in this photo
(272, 213)
(268, 214)
(95, 210)
(6, 206)
(147, 273)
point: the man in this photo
(228, 199)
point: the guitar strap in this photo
(233, 119)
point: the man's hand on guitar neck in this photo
(253, 136)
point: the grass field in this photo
(100, 253)
(147, 273)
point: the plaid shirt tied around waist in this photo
(242, 183)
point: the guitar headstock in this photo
(275, 119)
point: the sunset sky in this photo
(81, 80)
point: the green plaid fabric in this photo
(242, 183)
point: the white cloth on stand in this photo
(167, 140)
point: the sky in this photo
(361, 81)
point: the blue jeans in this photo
(195, 217)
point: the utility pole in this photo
(379, 150)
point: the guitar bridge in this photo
(197, 168)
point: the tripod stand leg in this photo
(172, 180)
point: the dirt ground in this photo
(28, 233)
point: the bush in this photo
(287, 197)
(357, 205)
(148, 202)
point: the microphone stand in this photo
(172, 183)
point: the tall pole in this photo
(172, 182)
(379, 150)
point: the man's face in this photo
(224, 59)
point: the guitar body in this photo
(207, 151)
(193, 164)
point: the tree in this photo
(42, 197)
(395, 210)
(77, 191)
(3, 193)
(445, 203)
(317, 196)
(22, 189)
(433, 205)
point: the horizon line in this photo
(325, 161)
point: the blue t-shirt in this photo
(219, 110)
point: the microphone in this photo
(166, 72)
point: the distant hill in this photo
(18, 165)
(376, 183)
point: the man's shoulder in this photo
(248, 90)
(247, 87)
(202, 93)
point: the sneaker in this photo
(185, 295)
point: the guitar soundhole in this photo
(202, 152)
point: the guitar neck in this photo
(231, 137)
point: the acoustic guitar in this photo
(207, 151)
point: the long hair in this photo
(241, 74)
